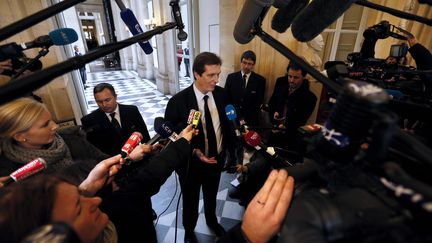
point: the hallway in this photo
(151, 103)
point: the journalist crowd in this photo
(299, 181)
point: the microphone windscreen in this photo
(284, 16)
(316, 17)
(248, 16)
(252, 138)
(158, 122)
(134, 27)
(230, 112)
(63, 36)
(165, 130)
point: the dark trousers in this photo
(199, 175)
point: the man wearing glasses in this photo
(109, 127)
(245, 89)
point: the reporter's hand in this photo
(189, 132)
(140, 150)
(269, 205)
(5, 65)
(3, 179)
(102, 174)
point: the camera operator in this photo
(421, 54)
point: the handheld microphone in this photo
(232, 116)
(284, 16)
(317, 16)
(254, 139)
(196, 119)
(156, 124)
(166, 131)
(251, 13)
(182, 35)
(134, 27)
(191, 116)
(27, 170)
(131, 144)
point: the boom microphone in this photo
(131, 144)
(254, 139)
(58, 37)
(182, 35)
(317, 16)
(232, 116)
(134, 27)
(284, 16)
(27, 170)
(249, 15)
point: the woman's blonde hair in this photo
(18, 116)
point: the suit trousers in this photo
(199, 175)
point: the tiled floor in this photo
(151, 103)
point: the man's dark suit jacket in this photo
(179, 106)
(248, 105)
(101, 133)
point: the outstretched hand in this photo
(269, 205)
(102, 174)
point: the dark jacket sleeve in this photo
(422, 56)
(233, 235)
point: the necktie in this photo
(115, 123)
(211, 136)
(244, 81)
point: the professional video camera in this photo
(18, 58)
(374, 183)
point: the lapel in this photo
(191, 98)
(102, 118)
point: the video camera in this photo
(369, 174)
(18, 58)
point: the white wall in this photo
(209, 20)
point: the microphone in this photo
(27, 170)
(157, 123)
(191, 116)
(182, 35)
(58, 37)
(196, 119)
(249, 15)
(166, 131)
(131, 144)
(232, 116)
(254, 139)
(284, 16)
(317, 16)
(134, 27)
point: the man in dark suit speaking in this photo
(109, 127)
(209, 147)
(246, 89)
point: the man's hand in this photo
(204, 158)
(3, 179)
(102, 174)
(141, 150)
(269, 205)
(5, 65)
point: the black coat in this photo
(130, 207)
(179, 106)
(101, 133)
(248, 104)
(300, 104)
